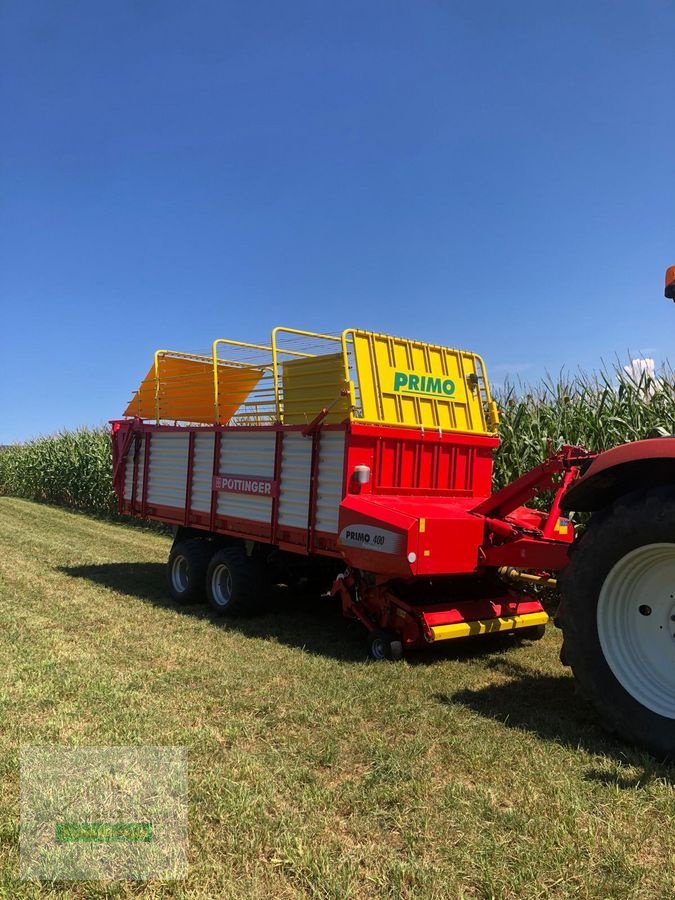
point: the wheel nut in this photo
(645, 610)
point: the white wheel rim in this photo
(179, 574)
(636, 625)
(221, 585)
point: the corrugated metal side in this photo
(296, 464)
(168, 469)
(129, 471)
(247, 453)
(202, 472)
(330, 486)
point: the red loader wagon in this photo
(361, 460)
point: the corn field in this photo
(71, 469)
(592, 411)
(74, 468)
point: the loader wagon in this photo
(361, 459)
(362, 463)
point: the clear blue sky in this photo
(492, 175)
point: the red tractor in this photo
(617, 610)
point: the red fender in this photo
(621, 470)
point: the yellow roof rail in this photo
(359, 375)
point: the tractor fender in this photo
(622, 470)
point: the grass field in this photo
(471, 772)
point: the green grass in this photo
(472, 772)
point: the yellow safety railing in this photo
(276, 350)
(176, 354)
(216, 362)
(358, 374)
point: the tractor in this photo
(617, 609)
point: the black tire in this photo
(602, 558)
(234, 583)
(186, 570)
(531, 633)
(384, 645)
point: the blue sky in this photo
(490, 175)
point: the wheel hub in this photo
(221, 585)
(179, 574)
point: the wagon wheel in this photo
(234, 586)
(384, 645)
(186, 570)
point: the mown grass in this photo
(472, 772)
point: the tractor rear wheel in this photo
(234, 586)
(186, 570)
(618, 618)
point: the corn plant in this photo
(74, 468)
(593, 411)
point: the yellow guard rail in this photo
(358, 375)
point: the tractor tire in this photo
(186, 570)
(234, 586)
(384, 645)
(617, 614)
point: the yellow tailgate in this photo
(404, 382)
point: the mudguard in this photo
(621, 470)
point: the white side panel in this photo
(129, 471)
(202, 472)
(296, 463)
(168, 468)
(329, 489)
(246, 453)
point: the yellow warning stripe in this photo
(487, 626)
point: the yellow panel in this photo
(310, 385)
(234, 386)
(404, 382)
(186, 391)
(488, 626)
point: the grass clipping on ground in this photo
(472, 771)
